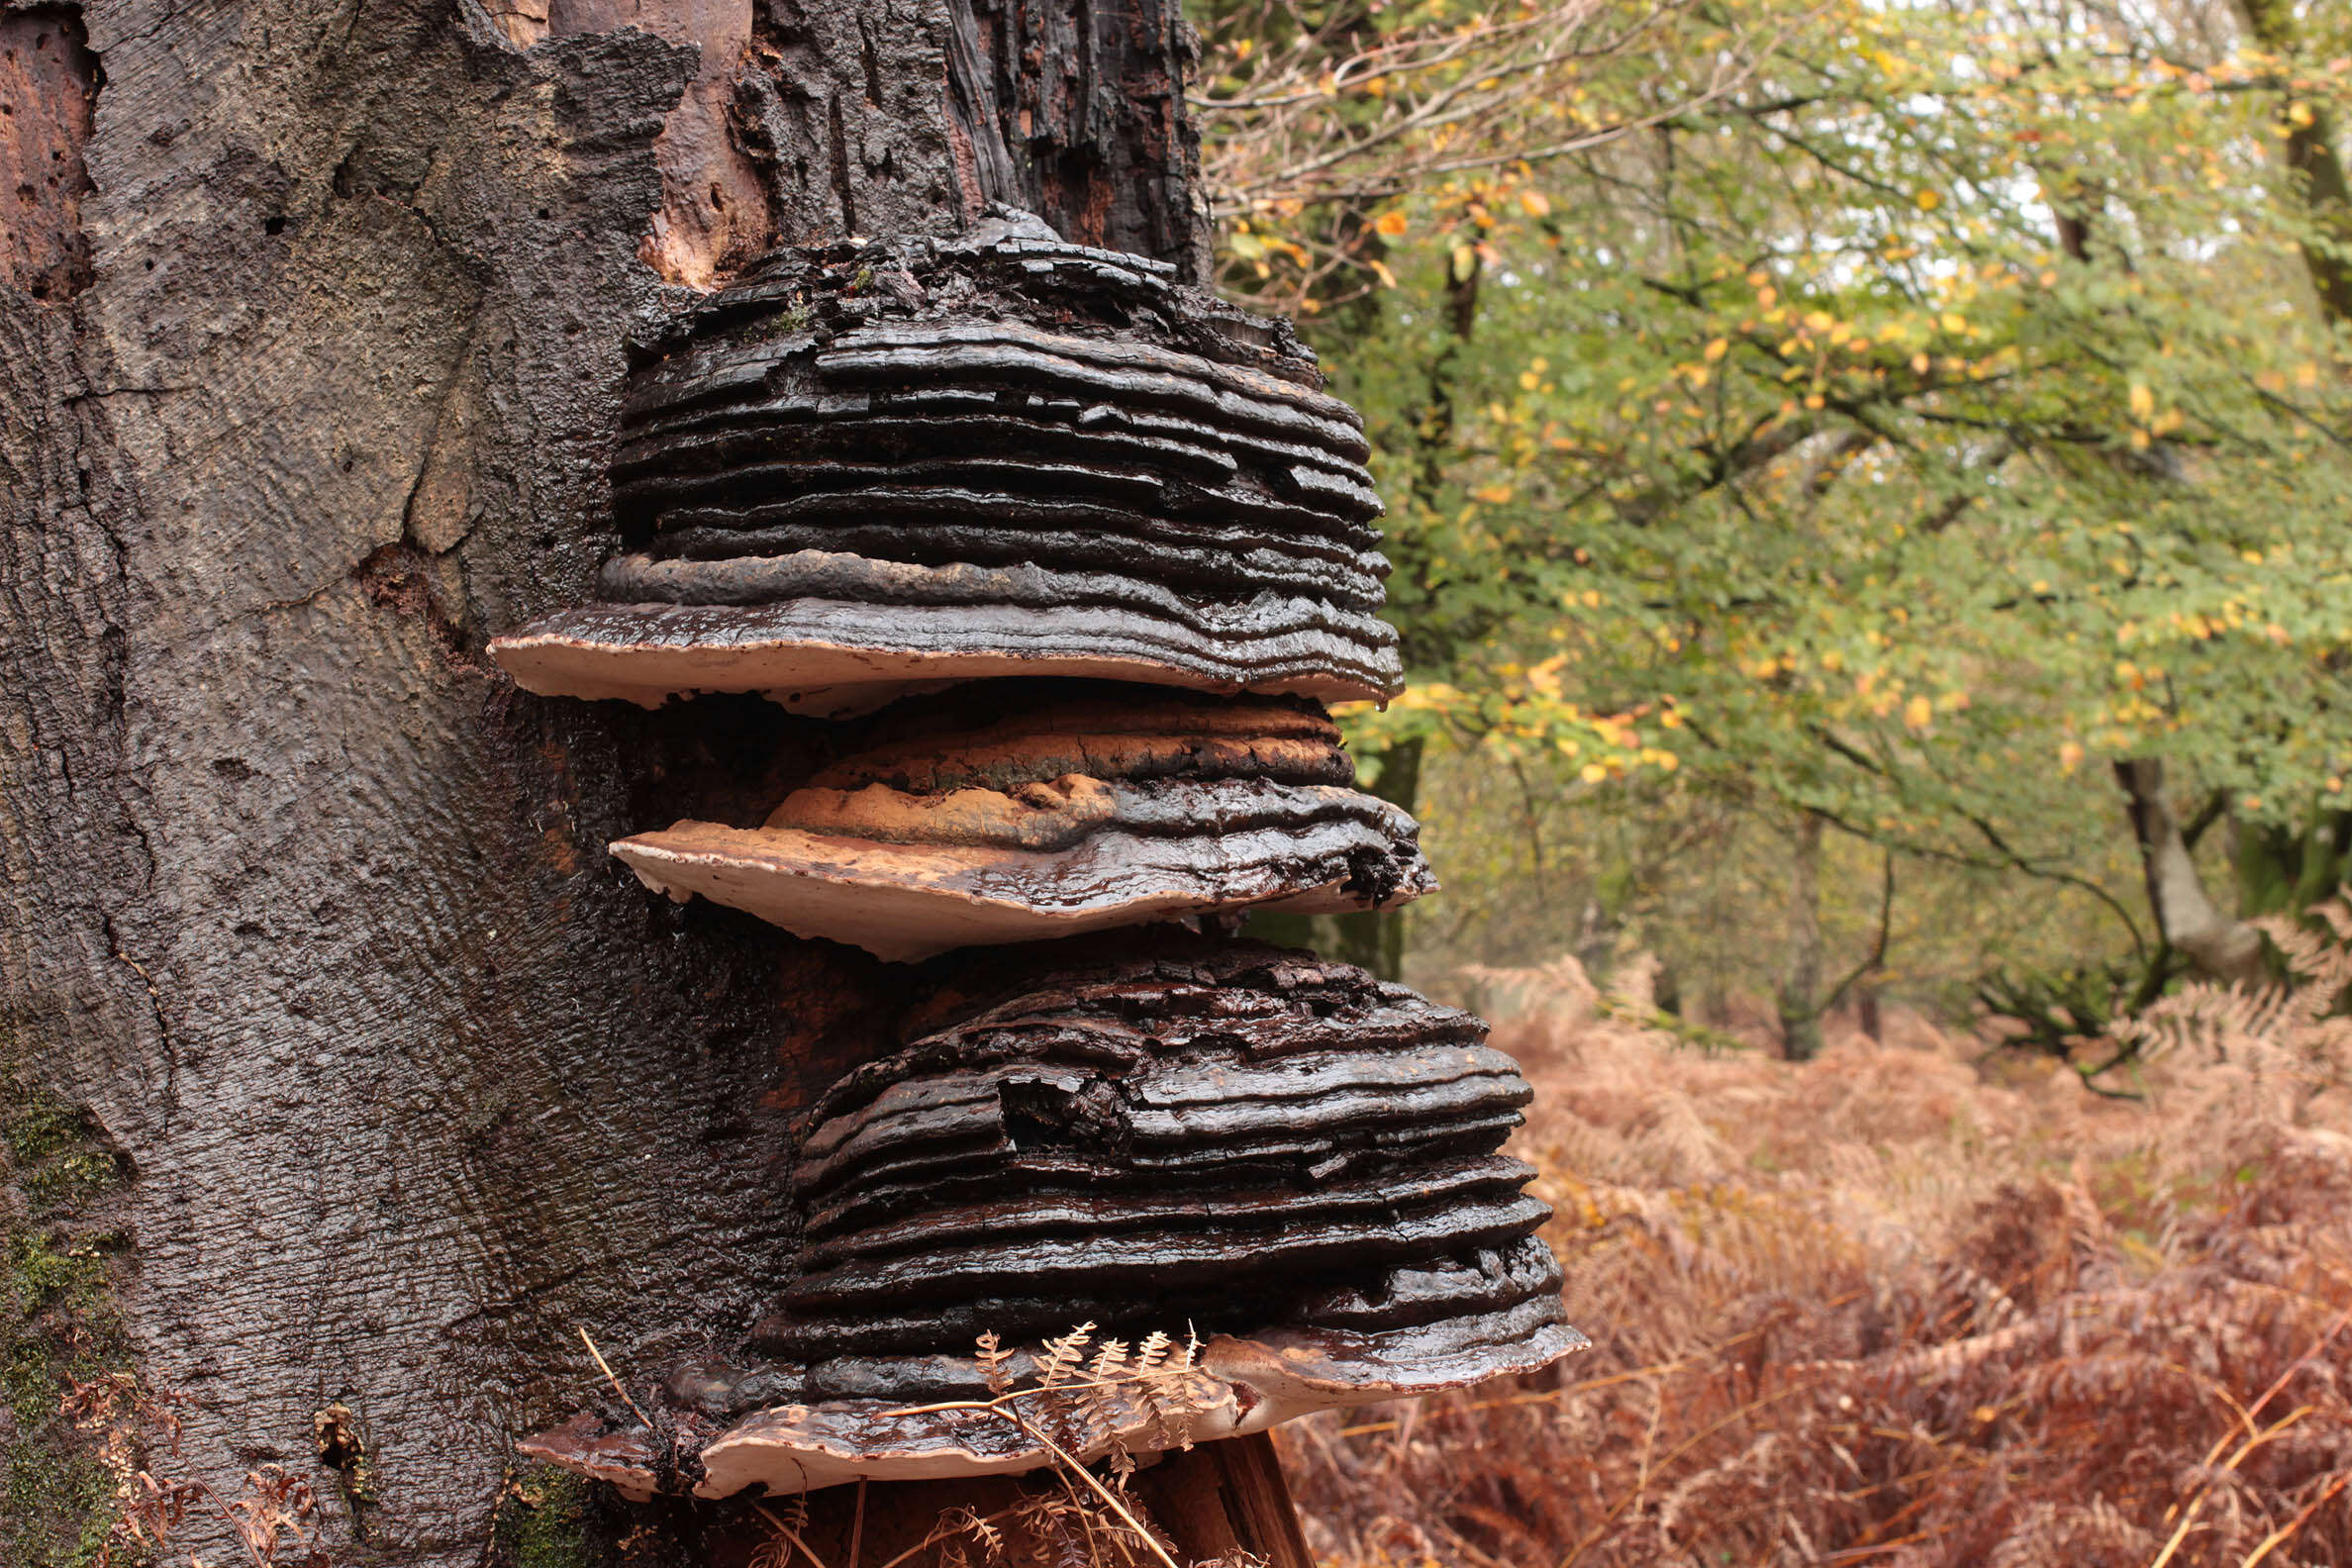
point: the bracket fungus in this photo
(1083, 807)
(861, 472)
(1298, 1159)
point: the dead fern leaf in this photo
(1064, 1356)
(993, 1358)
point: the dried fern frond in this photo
(964, 1521)
(1063, 1356)
(993, 1358)
(1930, 1305)
(1104, 1376)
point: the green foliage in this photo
(1895, 424)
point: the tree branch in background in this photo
(1302, 114)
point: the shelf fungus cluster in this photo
(1094, 810)
(861, 472)
(1300, 1160)
(1099, 547)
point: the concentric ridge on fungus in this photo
(1087, 808)
(1298, 1159)
(862, 472)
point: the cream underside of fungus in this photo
(648, 654)
(1241, 1386)
(907, 901)
(1075, 811)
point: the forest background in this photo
(1867, 479)
(1867, 484)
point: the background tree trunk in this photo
(1800, 1000)
(2223, 946)
(343, 1068)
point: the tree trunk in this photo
(2222, 946)
(2310, 150)
(342, 1079)
(1800, 1003)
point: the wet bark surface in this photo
(310, 391)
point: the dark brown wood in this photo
(1224, 1497)
(1209, 1501)
(1073, 111)
(1259, 1501)
(1077, 114)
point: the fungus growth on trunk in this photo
(1081, 808)
(865, 474)
(860, 472)
(1149, 1132)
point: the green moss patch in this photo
(59, 1256)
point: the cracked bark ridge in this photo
(865, 471)
(1078, 115)
(1086, 807)
(1296, 1157)
(881, 118)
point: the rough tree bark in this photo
(385, 1080)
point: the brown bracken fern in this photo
(1909, 1305)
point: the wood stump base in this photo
(1212, 1499)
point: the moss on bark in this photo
(59, 1259)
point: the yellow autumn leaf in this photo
(1535, 203)
(1494, 494)
(2070, 757)
(1391, 223)
(2143, 402)
(1718, 349)
(1919, 713)
(1928, 200)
